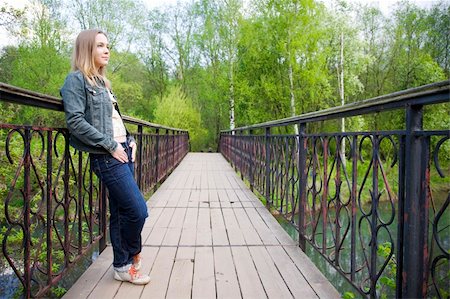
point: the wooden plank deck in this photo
(208, 236)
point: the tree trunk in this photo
(291, 80)
(341, 94)
(230, 75)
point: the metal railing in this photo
(55, 209)
(363, 200)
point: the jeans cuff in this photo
(123, 268)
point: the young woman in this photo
(95, 126)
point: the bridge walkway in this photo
(209, 236)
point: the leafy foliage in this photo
(205, 65)
(176, 110)
(257, 62)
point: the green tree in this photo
(8, 56)
(151, 53)
(40, 69)
(409, 64)
(346, 60)
(9, 15)
(412, 65)
(128, 77)
(208, 83)
(282, 61)
(376, 48)
(273, 60)
(41, 61)
(120, 19)
(176, 110)
(438, 37)
(179, 49)
(230, 16)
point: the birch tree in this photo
(229, 31)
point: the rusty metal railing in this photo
(363, 200)
(55, 209)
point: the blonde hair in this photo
(83, 57)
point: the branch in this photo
(9, 15)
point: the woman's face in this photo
(101, 51)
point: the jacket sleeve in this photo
(74, 99)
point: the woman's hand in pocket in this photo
(120, 154)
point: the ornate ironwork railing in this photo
(364, 200)
(54, 206)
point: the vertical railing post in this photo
(228, 147)
(177, 147)
(80, 202)
(267, 143)
(140, 151)
(169, 154)
(340, 162)
(303, 177)
(232, 148)
(26, 217)
(166, 152)
(354, 194)
(91, 202)
(173, 149)
(102, 217)
(415, 248)
(401, 214)
(49, 225)
(66, 179)
(188, 143)
(223, 147)
(236, 151)
(242, 154)
(156, 159)
(227, 144)
(375, 196)
(251, 155)
(324, 196)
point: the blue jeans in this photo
(126, 205)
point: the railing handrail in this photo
(439, 93)
(14, 94)
(83, 203)
(321, 181)
(136, 121)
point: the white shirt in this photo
(120, 133)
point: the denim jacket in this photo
(88, 112)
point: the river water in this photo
(10, 286)
(384, 210)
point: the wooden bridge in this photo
(209, 236)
